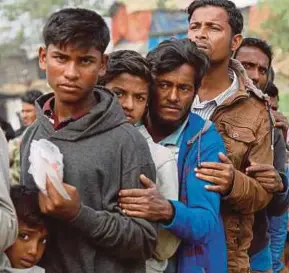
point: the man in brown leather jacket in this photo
(239, 111)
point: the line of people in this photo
(173, 163)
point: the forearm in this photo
(116, 232)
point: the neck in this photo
(215, 82)
(64, 110)
(157, 130)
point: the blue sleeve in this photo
(195, 222)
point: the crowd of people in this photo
(174, 162)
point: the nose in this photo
(254, 75)
(33, 249)
(71, 72)
(128, 103)
(199, 33)
(173, 95)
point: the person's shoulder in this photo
(130, 134)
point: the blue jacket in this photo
(197, 219)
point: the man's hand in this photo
(146, 203)
(55, 205)
(220, 174)
(281, 123)
(267, 176)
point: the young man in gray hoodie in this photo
(102, 154)
(8, 220)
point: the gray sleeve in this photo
(126, 237)
(8, 219)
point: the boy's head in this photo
(216, 27)
(32, 235)
(28, 106)
(256, 57)
(128, 76)
(178, 68)
(75, 40)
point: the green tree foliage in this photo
(277, 26)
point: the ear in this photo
(103, 65)
(236, 41)
(42, 52)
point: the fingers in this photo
(213, 165)
(209, 172)
(260, 168)
(51, 191)
(133, 207)
(137, 214)
(146, 181)
(131, 200)
(224, 158)
(45, 203)
(211, 179)
(214, 188)
(133, 193)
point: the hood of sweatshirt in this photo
(104, 116)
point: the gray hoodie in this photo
(8, 220)
(102, 153)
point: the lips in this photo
(27, 263)
(172, 108)
(69, 87)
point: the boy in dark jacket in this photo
(102, 154)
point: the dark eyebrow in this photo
(88, 57)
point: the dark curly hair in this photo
(171, 54)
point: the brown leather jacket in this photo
(246, 127)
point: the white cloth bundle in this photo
(47, 161)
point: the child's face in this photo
(29, 246)
(132, 92)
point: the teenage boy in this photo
(128, 76)
(30, 244)
(102, 153)
(178, 67)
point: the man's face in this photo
(256, 64)
(210, 29)
(132, 92)
(174, 95)
(71, 72)
(28, 113)
(28, 248)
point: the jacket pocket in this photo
(238, 141)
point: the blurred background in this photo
(134, 24)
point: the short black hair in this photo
(258, 43)
(126, 61)
(82, 27)
(31, 96)
(27, 207)
(272, 90)
(171, 54)
(236, 19)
